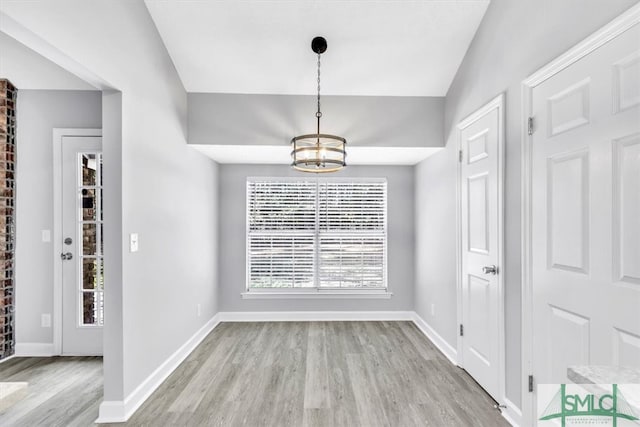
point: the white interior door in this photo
(586, 213)
(481, 245)
(82, 248)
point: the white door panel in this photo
(480, 245)
(567, 214)
(626, 348)
(586, 213)
(626, 210)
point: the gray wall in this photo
(376, 121)
(169, 197)
(155, 185)
(514, 40)
(232, 233)
(435, 230)
(38, 112)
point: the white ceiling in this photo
(261, 154)
(384, 48)
(27, 69)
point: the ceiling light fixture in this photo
(318, 152)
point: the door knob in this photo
(490, 269)
(66, 256)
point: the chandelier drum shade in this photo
(318, 152)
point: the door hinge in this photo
(461, 330)
(530, 125)
(460, 156)
(530, 383)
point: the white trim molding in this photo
(34, 349)
(112, 411)
(120, 411)
(441, 344)
(317, 295)
(7, 358)
(599, 38)
(58, 135)
(314, 316)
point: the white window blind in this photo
(321, 233)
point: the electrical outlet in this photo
(46, 236)
(433, 309)
(198, 310)
(45, 320)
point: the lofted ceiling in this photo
(379, 48)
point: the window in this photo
(90, 227)
(320, 234)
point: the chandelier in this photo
(318, 152)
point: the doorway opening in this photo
(78, 243)
(480, 237)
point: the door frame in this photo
(596, 40)
(496, 103)
(58, 135)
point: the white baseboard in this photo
(112, 411)
(442, 345)
(34, 349)
(512, 414)
(8, 358)
(313, 316)
(120, 411)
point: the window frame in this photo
(316, 291)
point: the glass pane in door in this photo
(91, 283)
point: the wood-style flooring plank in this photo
(281, 374)
(60, 391)
(316, 390)
(368, 398)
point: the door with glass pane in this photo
(82, 247)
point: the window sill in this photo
(318, 295)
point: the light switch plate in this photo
(46, 236)
(133, 242)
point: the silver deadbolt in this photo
(67, 256)
(68, 241)
(490, 269)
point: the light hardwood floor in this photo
(60, 391)
(307, 374)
